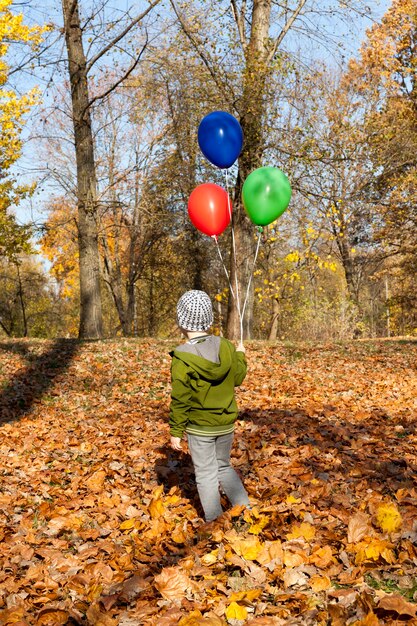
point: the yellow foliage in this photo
(388, 518)
(259, 525)
(305, 530)
(12, 106)
(373, 549)
(293, 257)
(370, 620)
(250, 595)
(248, 548)
(235, 611)
(292, 500)
(127, 524)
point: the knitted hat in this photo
(194, 311)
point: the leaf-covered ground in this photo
(100, 521)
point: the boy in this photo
(204, 373)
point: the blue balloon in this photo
(220, 138)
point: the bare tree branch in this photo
(239, 19)
(199, 48)
(120, 36)
(122, 78)
(290, 21)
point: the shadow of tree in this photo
(297, 447)
(28, 385)
(322, 457)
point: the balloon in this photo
(220, 138)
(209, 208)
(266, 194)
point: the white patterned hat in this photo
(194, 311)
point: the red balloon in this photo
(209, 208)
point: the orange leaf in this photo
(96, 618)
(358, 527)
(249, 548)
(195, 618)
(370, 620)
(250, 595)
(52, 617)
(96, 481)
(320, 583)
(397, 604)
(322, 557)
(271, 553)
(172, 583)
(304, 530)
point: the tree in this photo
(79, 67)
(385, 76)
(253, 35)
(29, 302)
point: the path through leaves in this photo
(100, 521)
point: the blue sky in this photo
(345, 38)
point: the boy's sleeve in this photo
(241, 367)
(180, 398)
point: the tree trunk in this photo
(252, 113)
(22, 302)
(134, 260)
(349, 270)
(91, 321)
(273, 331)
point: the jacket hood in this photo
(214, 372)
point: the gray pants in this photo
(211, 460)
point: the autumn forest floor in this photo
(100, 522)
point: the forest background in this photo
(99, 108)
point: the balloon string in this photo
(237, 297)
(253, 269)
(224, 266)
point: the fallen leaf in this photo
(259, 525)
(96, 617)
(248, 549)
(156, 508)
(52, 617)
(195, 618)
(373, 550)
(293, 577)
(396, 604)
(388, 518)
(96, 481)
(235, 611)
(250, 595)
(271, 553)
(210, 558)
(322, 557)
(358, 527)
(370, 620)
(172, 583)
(320, 583)
(304, 530)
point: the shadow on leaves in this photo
(29, 384)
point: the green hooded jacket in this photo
(203, 397)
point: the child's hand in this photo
(176, 443)
(241, 347)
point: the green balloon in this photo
(266, 193)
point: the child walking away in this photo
(204, 373)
